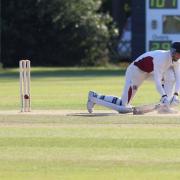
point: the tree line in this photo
(57, 32)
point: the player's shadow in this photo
(92, 115)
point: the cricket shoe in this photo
(90, 103)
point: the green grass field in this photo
(82, 147)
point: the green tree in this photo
(56, 32)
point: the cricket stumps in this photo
(25, 98)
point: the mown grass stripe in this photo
(90, 142)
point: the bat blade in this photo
(160, 108)
(138, 110)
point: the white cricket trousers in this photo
(134, 77)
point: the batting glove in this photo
(164, 100)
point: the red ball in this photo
(26, 96)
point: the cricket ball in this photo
(26, 96)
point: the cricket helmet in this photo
(176, 47)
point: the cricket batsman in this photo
(163, 66)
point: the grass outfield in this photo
(77, 147)
(60, 88)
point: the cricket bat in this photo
(145, 108)
(162, 109)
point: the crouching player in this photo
(163, 66)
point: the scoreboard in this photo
(162, 23)
(163, 4)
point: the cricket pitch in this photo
(82, 113)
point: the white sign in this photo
(162, 23)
